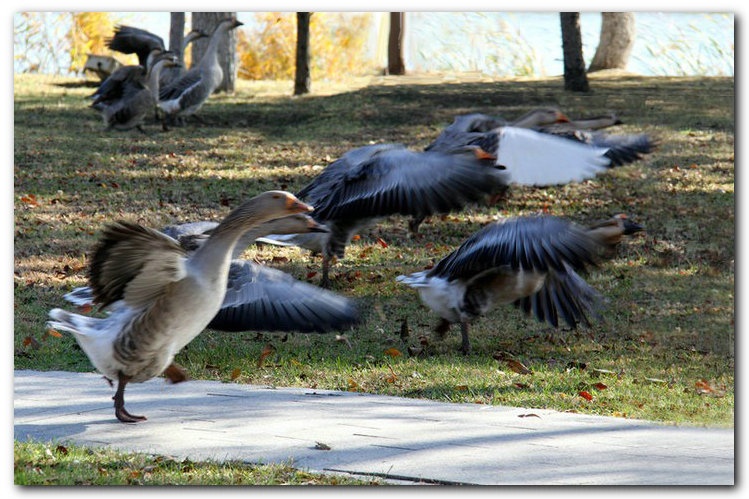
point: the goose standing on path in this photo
(260, 298)
(138, 96)
(381, 180)
(531, 262)
(185, 96)
(159, 296)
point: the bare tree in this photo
(616, 42)
(302, 78)
(575, 78)
(396, 66)
(207, 21)
(176, 32)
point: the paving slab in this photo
(405, 440)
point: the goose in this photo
(185, 96)
(173, 74)
(529, 261)
(539, 158)
(380, 180)
(259, 298)
(158, 296)
(138, 93)
(112, 89)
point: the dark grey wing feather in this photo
(264, 299)
(530, 243)
(400, 181)
(564, 295)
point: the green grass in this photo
(665, 351)
(71, 465)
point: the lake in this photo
(529, 43)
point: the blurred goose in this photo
(186, 95)
(173, 74)
(259, 298)
(131, 40)
(138, 93)
(535, 157)
(159, 296)
(531, 262)
(381, 180)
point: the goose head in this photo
(541, 116)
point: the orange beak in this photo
(481, 154)
(562, 118)
(293, 204)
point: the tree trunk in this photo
(616, 42)
(176, 32)
(575, 78)
(396, 66)
(302, 78)
(207, 21)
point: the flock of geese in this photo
(159, 289)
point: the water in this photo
(529, 43)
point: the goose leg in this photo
(413, 225)
(325, 282)
(465, 345)
(119, 402)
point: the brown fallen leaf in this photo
(382, 242)
(585, 395)
(462, 388)
(393, 352)
(517, 366)
(236, 372)
(30, 341)
(54, 333)
(600, 386)
(267, 350)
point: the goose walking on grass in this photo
(126, 104)
(186, 95)
(158, 295)
(260, 298)
(532, 262)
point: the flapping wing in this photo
(264, 299)
(134, 263)
(528, 243)
(400, 181)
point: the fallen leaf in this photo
(269, 349)
(585, 395)
(462, 388)
(517, 366)
(310, 275)
(356, 237)
(30, 341)
(62, 449)
(236, 372)
(85, 308)
(393, 352)
(54, 333)
(382, 242)
(392, 378)
(600, 386)
(30, 200)
(353, 386)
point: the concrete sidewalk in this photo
(405, 440)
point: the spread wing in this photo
(260, 298)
